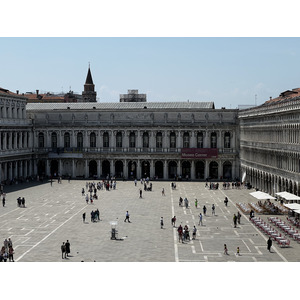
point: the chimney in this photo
(270, 98)
(17, 92)
(37, 93)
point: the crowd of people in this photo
(7, 251)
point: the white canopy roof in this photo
(262, 196)
(293, 206)
(297, 211)
(288, 196)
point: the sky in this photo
(171, 52)
(228, 71)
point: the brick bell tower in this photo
(89, 94)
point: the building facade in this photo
(270, 144)
(16, 138)
(135, 140)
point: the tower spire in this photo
(89, 94)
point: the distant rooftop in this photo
(121, 105)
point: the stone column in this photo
(73, 168)
(193, 177)
(165, 170)
(138, 169)
(112, 169)
(220, 169)
(206, 171)
(99, 171)
(152, 169)
(10, 171)
(179, 171)
(86, 169)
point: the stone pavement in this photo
(53, 214)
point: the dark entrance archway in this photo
(41, 168)
(92, 169)
(227, 170)
(186, 170)
(200, 170)
(119, 169)
(172, 169)
(54, 168)
(106, 168)
(159, 169)
(213, 170)
(132, 170)
(145, 169)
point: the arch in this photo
(200, 169)
(132, 140)
(200, 140)
(54, 168)
(106, 168)
(159, 140)
(213, 170)
(119, 140)
(227, 170)
(159, 169)
(172, 140)
(132, 169)
(145, 169)
(172, 169)
(186, 169)
(93, 169)
(213, 140)
(41, 168)
(119, 169)
(67, 140)
(105, 139)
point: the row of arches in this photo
(134, 169)
(132, 140)
(270, 183)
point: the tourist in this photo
(67, 248)
(63, 250)
(200, 219)
(269, 243)
(127, 217)
(226, 201)
(194, 232)
(213, 208)
(225, 249)
(204, 210)
(196, 203)
(234, 220)
(161, 223)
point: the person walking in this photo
(161, 222)
(213, 208)
(238, 251)
(63, 250)
(226, 201)
(239, 217)
(200, 219)
(141, 193)
(196, 203)
(225, 249)
(204, 210)
(83, 217)
(269, 243)
(173, 220)
(68, 250)
(163, 192)
(234, 220)
(127, 217)
(194, 232)
(3, 201)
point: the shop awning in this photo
(288, 196)
(262, 196)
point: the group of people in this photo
(21, 202)
(7, 251)
(65, 249)
(95, 216)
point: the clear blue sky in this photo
(227, 70)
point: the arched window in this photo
(54, 140)
(132, 140)
(119, 140)
(79, 140)
(227, 140)
(186, 140)
(41, 140)
(105, 140)
(145, 140)
(200, 140)
(213, 140)
(172, 140)
(159, 140)
(67, 140)
(93, 140)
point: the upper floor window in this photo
(54, 140)
(145, 140)
(213, 140)
(186, 140)
(41, 140)
(67, 143)
(79, 140)
(132, 140)
(227, 140)
(93, 140)
(159, 140)
(200, 140)
(105, 140)
(119, 140)
(172, 140)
